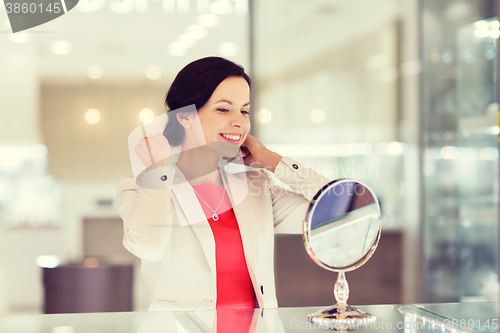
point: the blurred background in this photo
(399, 94)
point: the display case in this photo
(460, 152)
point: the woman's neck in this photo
(200, 166)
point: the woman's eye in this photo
(243, 111)
(223, 110)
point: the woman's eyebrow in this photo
(231, 103)
(225, 100)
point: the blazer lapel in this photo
(191, 215)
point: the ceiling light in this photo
(47, 261)
(208, 20)
(153, 72)
(92, 116)
(95, 72)
(264, 116)
(146, 115)
(61, 47)
(228, 49)
(186, 41)
(196, 31)
(19, 38)
(317, 115)
(449, 152)
(176, 49)
(395, 148)
(221, 7)
(488, 153)
(91, 262)
(482, 33)
(481, 25)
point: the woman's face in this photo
(225, 116)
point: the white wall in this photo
(19, 123)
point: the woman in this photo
(205, 235)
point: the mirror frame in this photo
(306, 226)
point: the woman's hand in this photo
(256, 155)
(159, 147)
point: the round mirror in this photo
(341, 232)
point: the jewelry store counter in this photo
(446, 317)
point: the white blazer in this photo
(167, 229)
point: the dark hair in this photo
(195, 84)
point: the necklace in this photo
(215, 217)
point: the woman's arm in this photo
(147, 217)
(290, 207)
(145, 203)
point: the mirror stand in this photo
(341, 232)
(341, 316)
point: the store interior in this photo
(398, 94)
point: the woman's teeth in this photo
(232, 137)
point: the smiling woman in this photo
(205, 236)
(196, 83)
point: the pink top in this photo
(234, 286)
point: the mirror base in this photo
(339, 318)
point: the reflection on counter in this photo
(390, 318)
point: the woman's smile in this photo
(231, 137)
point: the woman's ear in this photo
(185, 119)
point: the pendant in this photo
(215, 217)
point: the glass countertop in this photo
(390, 318)
(480, 317)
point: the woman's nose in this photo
(237, 121)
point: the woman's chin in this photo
(226, 149)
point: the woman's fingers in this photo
(141, 150)
(244, 151)
(155, 150)
(160, 148)
(153, 146)
(162, 140)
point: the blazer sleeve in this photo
(290, 207)
(147, 215)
